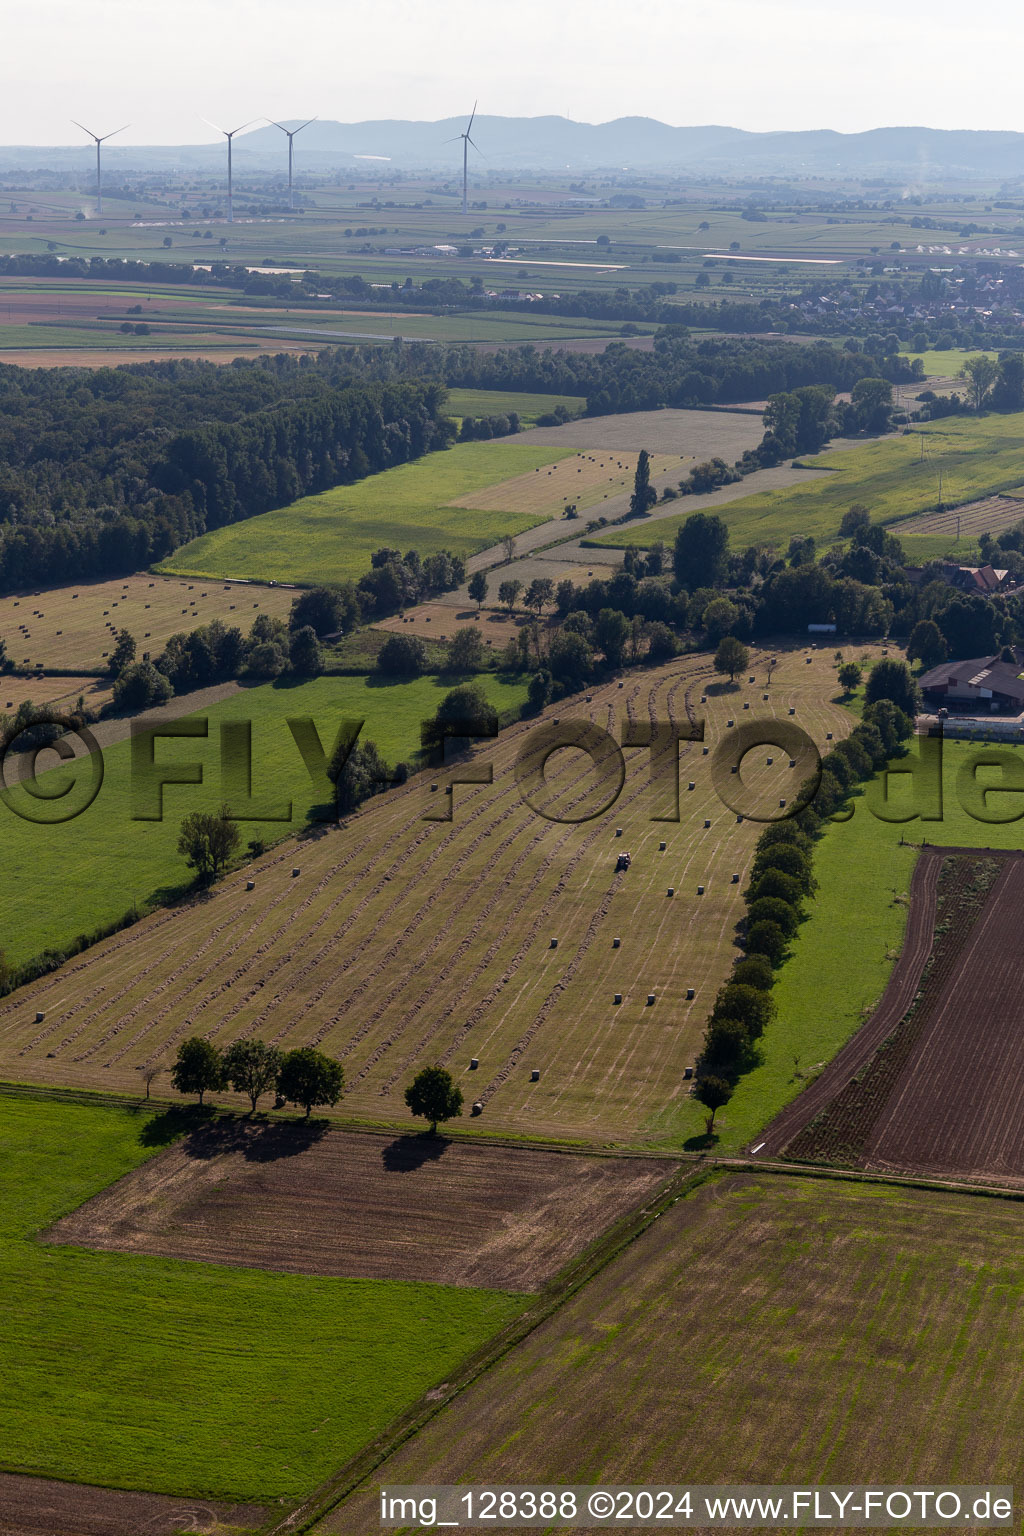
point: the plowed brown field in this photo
(403, 941)
(38, 1506)
(413, 1208)
(934, 1082)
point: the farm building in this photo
(981, 687)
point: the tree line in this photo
(104, 470)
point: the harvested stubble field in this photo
(439, 621)
(405, 940)
(780, 1329)
(584, 478)
(62, 691)
(79, 624)
(687, 434)
(418, 1207)
(933, 1085)
(992, 514)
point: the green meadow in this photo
(179, 1377)
(498, 402)
(894, 477)
(68, 878)
(845, 950)
(330, 537)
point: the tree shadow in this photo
(719, 688)
(407, 1153)
(257, 1139)
(171, 1124)
(701, 1143)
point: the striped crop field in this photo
(502, 935)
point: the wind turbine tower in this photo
(229, 135)
(100, 139)
(466, 142)
(291, 132)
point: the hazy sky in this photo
(757, 64)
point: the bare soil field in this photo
(688, 434)
(933, 1082)
(419, 1207)
(763, 1328)
(79, 624)
(110, 355)
(39, 1506)
(503, 934)
(992, 514)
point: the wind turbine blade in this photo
(476, 147)
(114, 132)
(275, 124)
(83, 127)
(469, 125)
(206, 120)
(305, 124)
(452, 140)
(248, 125)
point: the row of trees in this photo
(306, 1077)
(781, 880)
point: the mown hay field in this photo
(62, 692)
(585, 479)
(138, 1372)
(894, 477)
(67, 878)
(77, 625)
(780, 1329)
(404, 940)
(330, 537)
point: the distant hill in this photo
(556, 143)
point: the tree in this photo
(850, 676)
(434, 1096)
(508, 593)
(465, 711)
(123, 653)
(508, 544)
(719, 619)
(140, 686)
(198, 1067)
(766, 938)
(310, 1078)
(306, 653)
(356, 771)
(981, 372)
(207, 840)
(858, 516)
(661, 642)
(466, 651)
(872, 404)
(325, 609)
(927, 644)
(753, 1006)
(571, 659)
(402, 656)
(611, 632)
(251, 1067)
(732, 656)
(478, 589)
(714, 1093)
(540, 591)
(891, 679)
(644, 496)
(701, 552)
(149, 1073)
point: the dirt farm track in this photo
(517, 967)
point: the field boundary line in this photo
(571, 1279)
(869, 1176)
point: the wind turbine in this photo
(229, 135)
(100, 139)
(466, 142)
(291, 132)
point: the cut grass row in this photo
(331, 536)
(194, 1378)
(70, 878)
